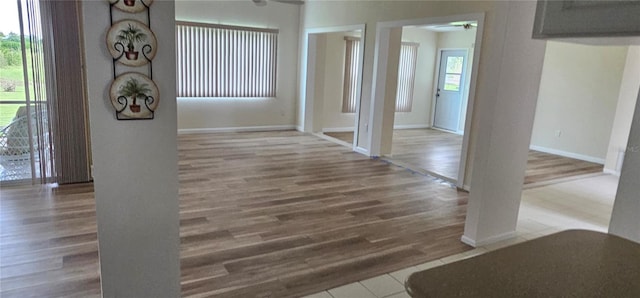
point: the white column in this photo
(319, 82)
(135, 165)
(625, 219)
(309, 77)
(382, 113)
(624, 111)
(505, 105)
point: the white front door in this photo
(450, 89)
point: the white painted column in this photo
(505, 105)
(625, 218)
(391, 90)
(319, 81)
(309, 72)
(624, 111)
(387, 57)
(135, 166)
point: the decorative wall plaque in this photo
(131, 43)
(132, 6)
(134, 96)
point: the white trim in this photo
(338, 129)
(186, 131)
(568, 154)
(362, 150)
(332, 139)
(490, 240)
(379, 72)
(611, 172)
(299, 128)
(411, 126)
(448, 131)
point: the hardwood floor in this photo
(542, 167)
(274, 214)
(425, 150)
(438, 153)
(342, 136)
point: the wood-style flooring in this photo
(274, 214)
(438, 153)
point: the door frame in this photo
(435, 87)
(381, 51)
(307, 83)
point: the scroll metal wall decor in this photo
(131, 43)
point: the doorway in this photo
(430, 116)
(332, 87)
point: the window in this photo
(225, 61)
(349, 92)
(406, 76)
(454, 72)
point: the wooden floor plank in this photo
(438, 153)
(269, 214)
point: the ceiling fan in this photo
(264, 2)
(463, 24)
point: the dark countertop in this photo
(572, 263)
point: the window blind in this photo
(406, 76)
(349, 91)
(225, 61)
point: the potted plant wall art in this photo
(131, 43)
(133, 90)
(130, 36)
(134, 96)
(131, 6)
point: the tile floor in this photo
(578, 204)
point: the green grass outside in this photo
(8, 111)
(447, 87)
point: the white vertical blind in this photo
(349, 91)
(40, 85)
(406, 76)
(225, 61)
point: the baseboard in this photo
(448, 131)
(411, 126)
(490, 240)
(362, 150)
(611, 172)
(350, 129)
(186, 131)
(338, 129)
(334, 140)
(568, 154)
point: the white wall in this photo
(423, 86)
(578, 96)
(624, 111)
(464, 39)
(135, 165)
(207, 113)
(334, 55)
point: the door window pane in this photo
(452, 82)
(454, 64)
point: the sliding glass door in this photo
(25, 147)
